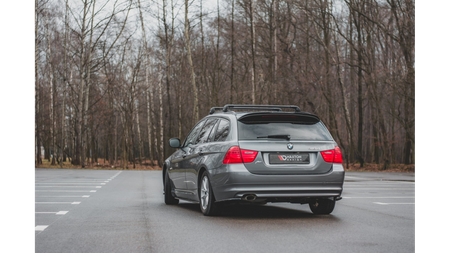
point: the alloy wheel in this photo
(204, 193)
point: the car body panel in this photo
(177, 171)
(233, 181)
(261, 164)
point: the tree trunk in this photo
(252, 26)
(168, 47)
(274, 52)
(360, 93)
(52, 95)
(149, 92)
(80, 112)
(191, 65)
(232, 53)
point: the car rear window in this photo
(297, 127)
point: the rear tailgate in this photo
(287, 144)
(276, 159)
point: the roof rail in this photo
(213, 109)
(226, 108)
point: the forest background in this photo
(115, 79)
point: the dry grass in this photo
(373, 167)
(102, 165)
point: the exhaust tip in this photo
(249, 197)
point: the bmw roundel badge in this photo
(290, 146)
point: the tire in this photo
(207, 200)
(168, 198)
(322, 206)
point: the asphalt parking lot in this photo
(124, 211)
(59, 192)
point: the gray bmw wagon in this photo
(255, 154)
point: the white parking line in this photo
(40, 228)
(380, 203)
(56, 213)
(69, 186)
(115, 175)
(62, 191)
(378, 197)
(73, 203)
(380, 188)
(84, 196)
(71, 183)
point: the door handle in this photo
(200, 152)
(184, 156)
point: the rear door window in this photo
(204, 133)
(222, 131)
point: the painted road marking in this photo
(377, 188)
(69, 186)
(40, 228)
(84, 196)
(380, 203)
(56, 213)
(61, 191)
(70, 183)
(73, 203)
(378, 197)
(115, 175)
(73, 181)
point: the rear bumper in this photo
(233, 181)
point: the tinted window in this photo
(193, 134)
(298, 118)
(204, 133)
(222, 130)
(316, 132)
(213, 131)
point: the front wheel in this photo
(207, 200)
(322, 206)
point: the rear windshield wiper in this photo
(278, 136)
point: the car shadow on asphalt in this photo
(258, 212)
(265, 212)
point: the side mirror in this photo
(174, 143)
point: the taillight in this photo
(332, 156)
(237, 155)
(233, 155)
(248, 156)
(337, 155)
(328, 156)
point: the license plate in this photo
(288, 158)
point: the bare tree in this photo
(189, 56)
(253, 36)
(351, 63)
